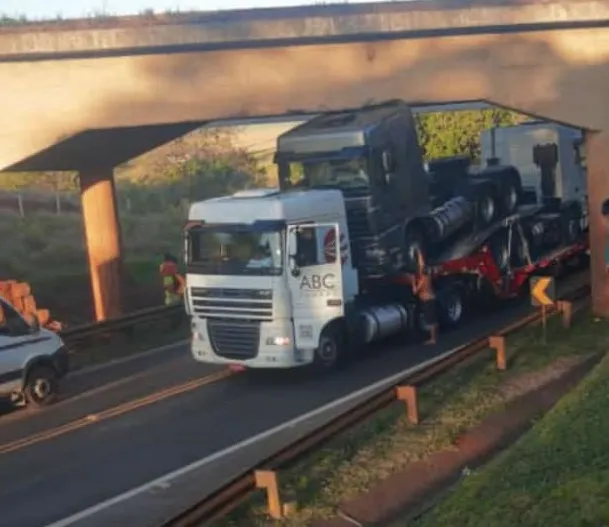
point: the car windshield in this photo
(230, 251)
(344, 174)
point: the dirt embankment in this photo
(70, 300)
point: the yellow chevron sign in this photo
(543, 291)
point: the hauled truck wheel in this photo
(571, 231)
(510, 195)
(500, 250)
(520, 245)
(481, 193)
(486, 209)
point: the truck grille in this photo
(232, 304)
(234, 340)
(359, 224)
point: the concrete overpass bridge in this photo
(89, 95)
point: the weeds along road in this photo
(55, 477)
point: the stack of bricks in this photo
(19, 294)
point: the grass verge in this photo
(454, 403)
(556, 474)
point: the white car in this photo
(32, 359)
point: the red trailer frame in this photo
(506, 285)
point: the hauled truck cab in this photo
(394, 204)
(550, 158)
(266, 283)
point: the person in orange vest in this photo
(173, 281)
(422, 287)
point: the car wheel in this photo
(41, 386)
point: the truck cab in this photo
(550, 158)
(266, 278)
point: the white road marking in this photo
(166, 480)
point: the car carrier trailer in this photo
(304, 273)
(495, 271)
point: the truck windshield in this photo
(344, 174)
(229, 251)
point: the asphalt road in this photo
(56, 478)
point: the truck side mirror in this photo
(294, 269)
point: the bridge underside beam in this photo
(86, 152)
(103, 147)
(597, 148)
(103, 239)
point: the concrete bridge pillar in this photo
(103, 239)
(597, 151)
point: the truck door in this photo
(315, 279)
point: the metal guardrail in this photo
(121, 324)
(263, 474)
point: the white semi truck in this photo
(311, 271)
(550, 157)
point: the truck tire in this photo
(534, 242)
(510, 196)
(487, 209)
(41, 386)
(519, 253)
(330, 352)
(571, 230)
(500, 250)
(451, 306)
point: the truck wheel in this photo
(41, 386)
(571, 230)
(534, 243)
(486, 209)
(500, 250)
(451, 304)
(509, 198)
(519, 250)
(330, 351)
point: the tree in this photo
(205, 163)
(458, 133)
(201, 165)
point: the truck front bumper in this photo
(275, 348)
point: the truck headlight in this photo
(277, 341)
